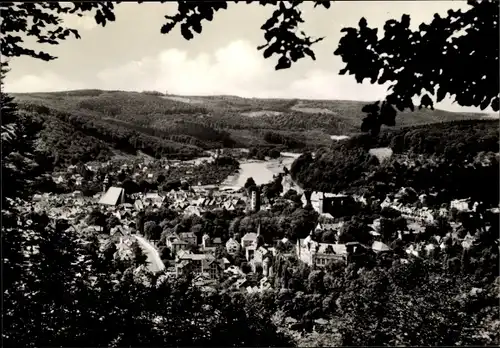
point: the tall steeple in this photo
(258, 229)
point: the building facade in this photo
(320, 254)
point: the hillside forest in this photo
(86, 124)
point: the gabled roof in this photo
(325, 248)
(180, 242)
(112, 196)
(379, 246)
(327, 215)
(229, 206)
(326, 226)
(239, 282)
(338, 249)
(250, 236)
(209, 249)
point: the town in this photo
(155, 219)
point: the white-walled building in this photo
(320, 254)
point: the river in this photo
(261, 171)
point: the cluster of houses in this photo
(192, 202)
(200, 258)
(201, 261)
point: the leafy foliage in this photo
(43, 22)
(427, 62)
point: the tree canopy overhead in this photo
(432, 62)
(455, 56)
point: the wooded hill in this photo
(455, 159)
(92, 122)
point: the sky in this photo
(131, 54)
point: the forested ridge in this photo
(182, 127)
(456, 159)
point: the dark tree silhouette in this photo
(42, 20)
(250, 183)
(428, 62)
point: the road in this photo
(154, 262)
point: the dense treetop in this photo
(457, 159)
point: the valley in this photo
(99, 122)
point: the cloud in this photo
(236, 69)
(85, 22)
(45, 82)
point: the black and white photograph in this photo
(250, 173)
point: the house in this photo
(413, 250)
(203, 281)
(253, 289)
(235, 271)
(265, 284)
(178, 245)
(249, 243)
(329, 226)
(460, 204)
(192, 210)
(249, 239)
(138, 205)
(59, 180)
(285, 246)
(327, 216)
(198, 263)
(189, 237)
(250, 251)
(207, 242)
(228, 205)
(175, 244)
(114, 196)
(327, 202)
(117, 230)
(232, 246)
(262, 257)
(319, 254)
(154, 198)
(209, 250)
(238, 284)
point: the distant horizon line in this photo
(493, 115)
